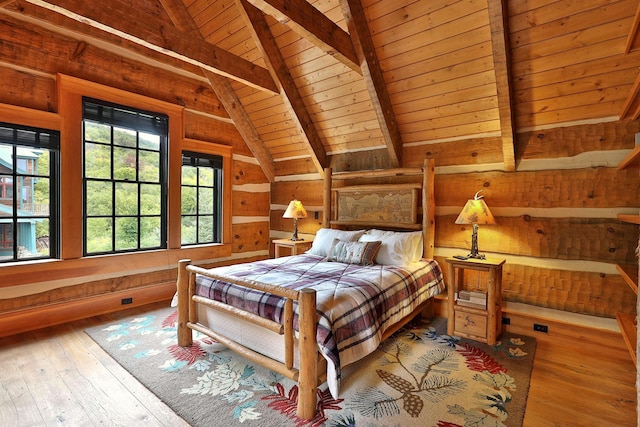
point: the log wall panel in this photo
(250, 204)
(571, 141)
(251, 237)
(586, 239)
(247, 173)
(574, 188)
(466, 152)
(27, 90)
(78, 59)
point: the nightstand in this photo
(478, 321)
(295, 247)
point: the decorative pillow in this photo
(324, 238)
(362, 253)
(398, 247)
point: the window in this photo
(201, 220)
(29, 195)
(125, 157)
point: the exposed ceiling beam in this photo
(257, 24)
(313, 25)
(368, 59)
(142, 30)
(181, 18)
(502, 64)
(243, 123)
(179, 15)
(633, 31)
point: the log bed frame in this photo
(312, 366)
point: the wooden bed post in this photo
(428, 208)
(308, 378)
(185, 334)
(326, 203)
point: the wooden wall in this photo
(556, 215)
(28, 92)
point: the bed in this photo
(370, 270)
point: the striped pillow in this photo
(363, 253)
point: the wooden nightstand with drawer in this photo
(471, 315)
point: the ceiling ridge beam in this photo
(167, 40)
(313, 25)
(257, 24)
(502, 69)
(374, 80)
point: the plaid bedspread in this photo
(355, 304)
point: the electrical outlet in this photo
(126, 301)
(540, 328)
(506, 321)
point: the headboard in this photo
(391, 199)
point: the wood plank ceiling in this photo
(357, 84)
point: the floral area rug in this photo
(419, 376)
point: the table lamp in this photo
(296, 211)
(475, 212)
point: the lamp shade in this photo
(295, 210)
(475, 211)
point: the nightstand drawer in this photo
(471, 323)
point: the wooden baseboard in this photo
(53, 314)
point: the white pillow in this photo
(398, 247)
(324, 238)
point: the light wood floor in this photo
(59, 377)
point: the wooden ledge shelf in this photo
(630, 275)
(633, 219)
(629, 331)
(632, 160)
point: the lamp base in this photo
(474, 244)
(295, 237)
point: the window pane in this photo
(188, 230)
(41, 196)
(99, 235)
(189, 199)
(97, 132)
(149, 141)
(43, 228)
(25, 196)
(124, 137)
(150, 199)
(189, 174)
(6, 195)
(205, 228)
(99, 198)
(149, 166)
(206, 177)
(126, 233)
(6, 241)
(205, 200)
(126, 199)
(124, 164)
(97, 161)
(150, 232)
(42, 164)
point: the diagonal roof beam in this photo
(361, 38)
(144, 31)
(257, 24)
(310, 23)
(502, 68)
(181, 18)
(232, 104)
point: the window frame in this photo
(138, 121)
(52, 146)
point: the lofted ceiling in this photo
(372, 83)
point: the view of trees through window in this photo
(28, 193)
(124, 170)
